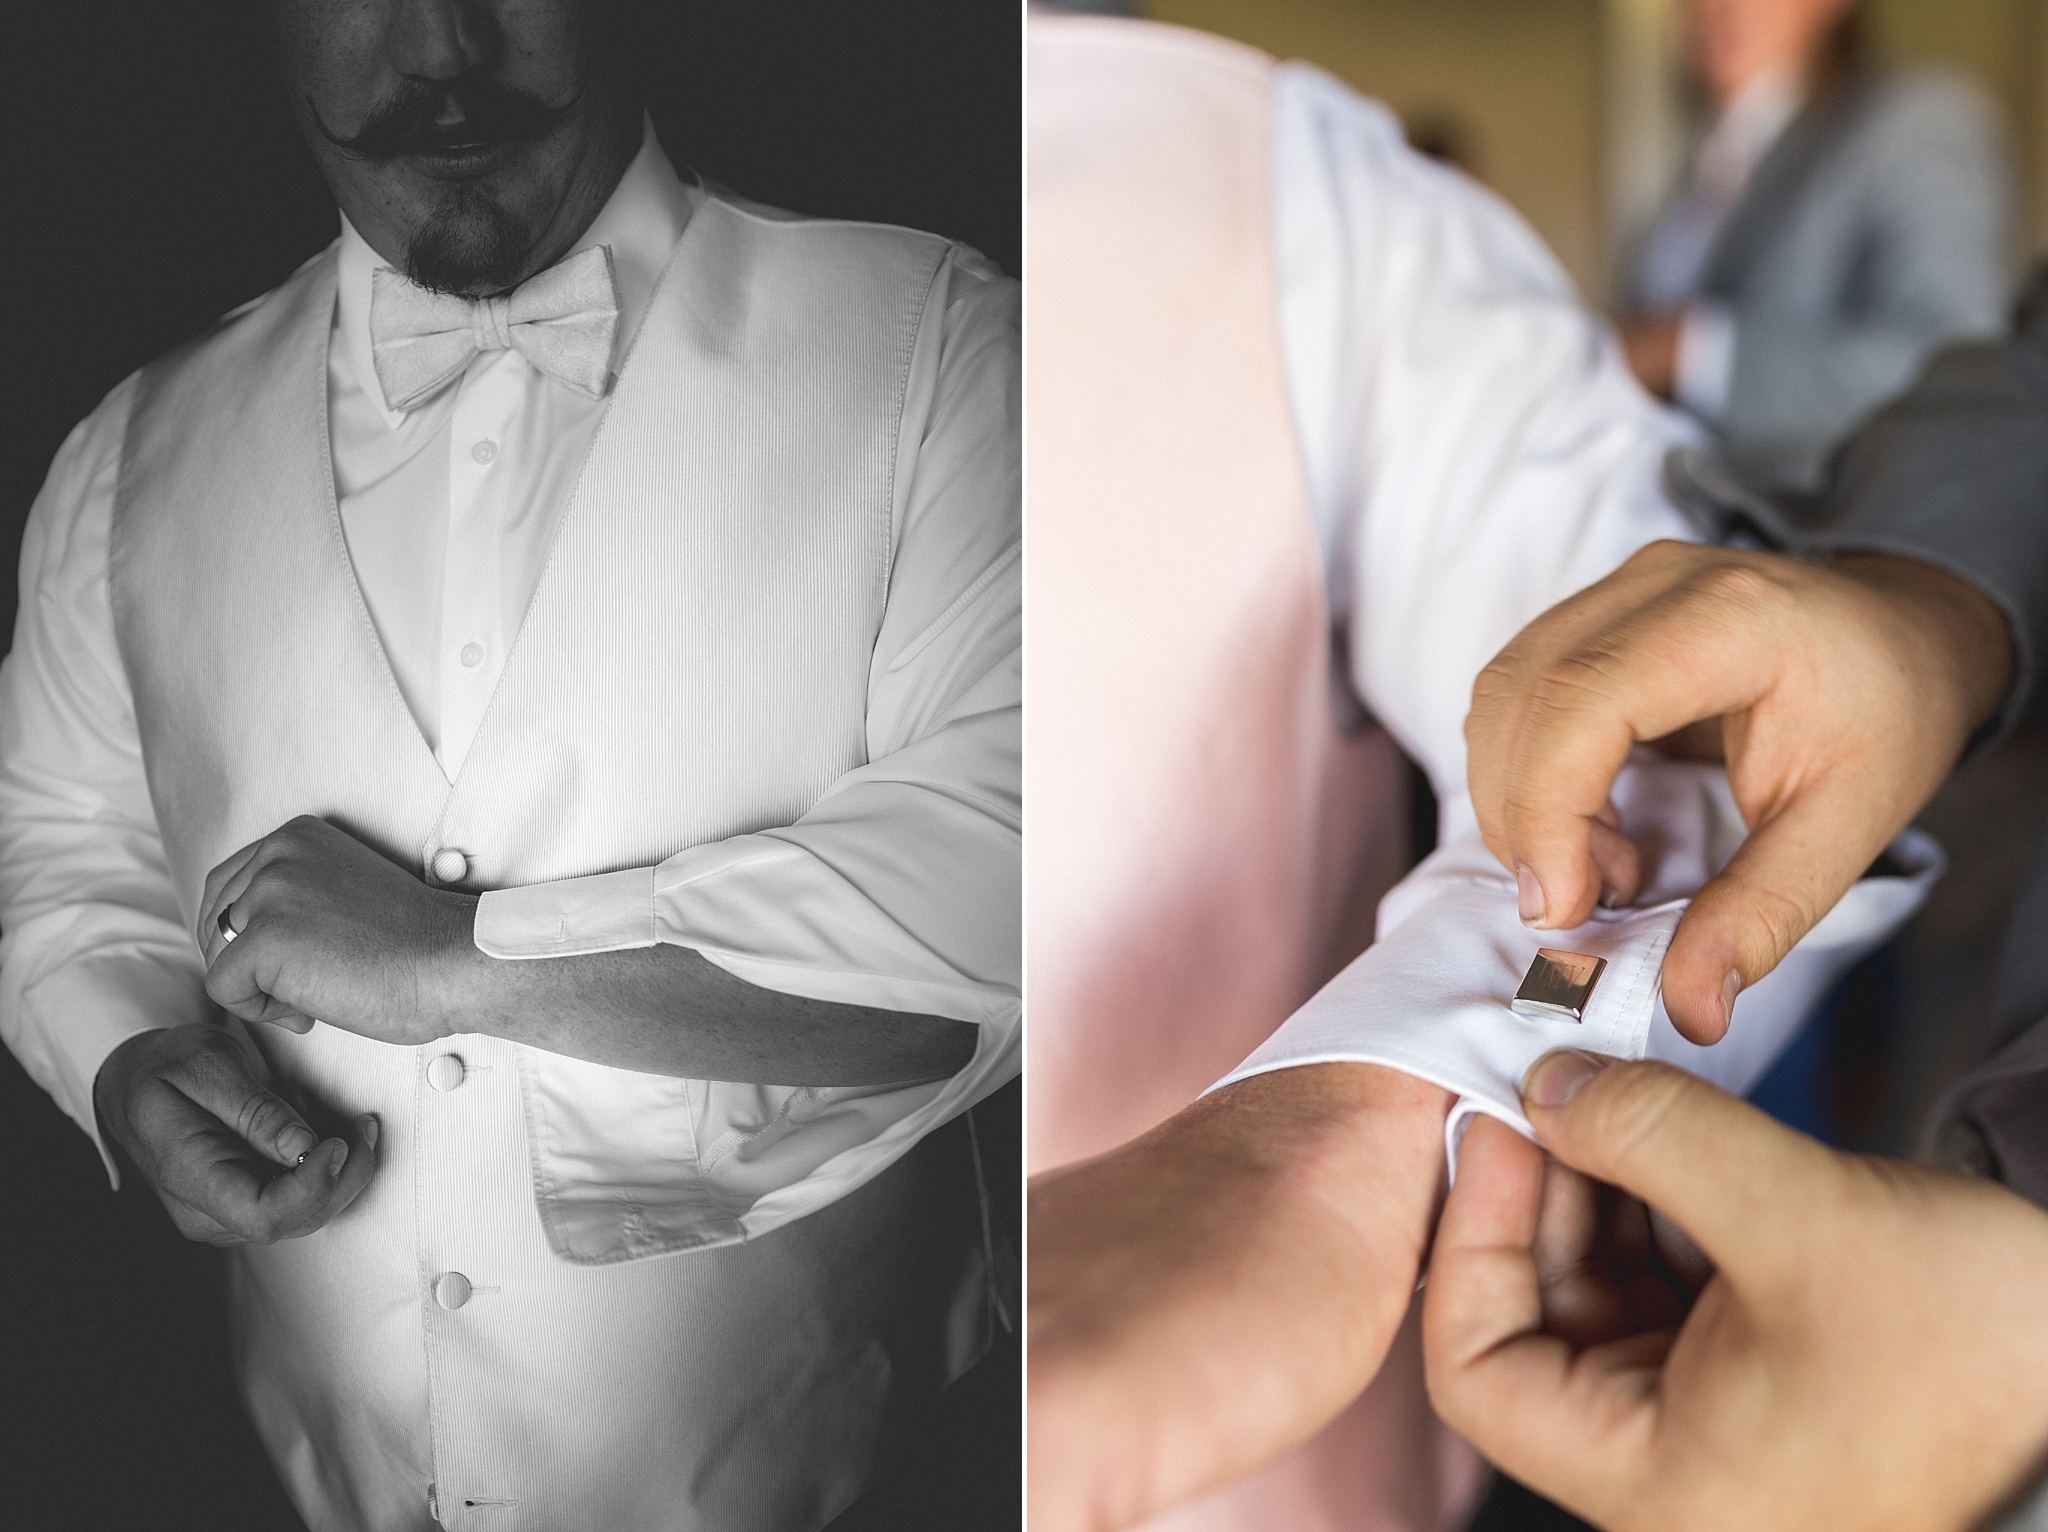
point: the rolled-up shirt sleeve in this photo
(901, 887)
(92, 947)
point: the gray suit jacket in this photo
(1875, 229)
(1955, 471)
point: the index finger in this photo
(1501, 692)
(1699, 651)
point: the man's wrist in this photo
(452, 998)
(1969, 641)
(1364, 1142)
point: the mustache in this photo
(406, 123)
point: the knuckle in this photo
(1664, 551)
(1741, 586)
(260, 1118)
(1772, 922)
(1492, 687)
(1575, 683)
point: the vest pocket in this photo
(629, 1165)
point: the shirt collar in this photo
(642, 220)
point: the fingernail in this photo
(1556, 1077)
(1530, 895)
(336, 1160)
(370, 1131)
(296, 1143)
(1730, 988)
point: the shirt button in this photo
(484, 451)
(472, 656)
(450, 865)
(444, 1071)
(452, 1290)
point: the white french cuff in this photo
(605, 912)
(1431, 996)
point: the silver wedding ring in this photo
(227, 932)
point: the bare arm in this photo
(1215, 1292)
(669, 1010)
(327, 928)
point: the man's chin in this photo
(471, 245)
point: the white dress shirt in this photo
(449, 511)
(1475, 452)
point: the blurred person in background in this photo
(1839, 221)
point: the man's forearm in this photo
(1213, 1293)
(668, 1010)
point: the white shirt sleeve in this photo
(1476, 452)
(901, 888)
(94, 949)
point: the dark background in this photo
(154, 180)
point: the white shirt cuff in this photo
(1431, 996)
(1706, 359)
(605, 912)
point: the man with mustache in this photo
(551, 667)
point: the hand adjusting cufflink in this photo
(1557, 986)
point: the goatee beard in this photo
(470, 247)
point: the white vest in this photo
(736, 500)
(1204, 847)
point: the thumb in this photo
(1727, 1174)
(1784, 877)
(219, 1081)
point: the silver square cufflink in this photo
(1557, 986)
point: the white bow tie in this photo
(562, 320)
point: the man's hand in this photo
(1650, 347)
(1843, 696)
(1871, 1352)
(231, 1161)
(329, 929)
(1215, 1292)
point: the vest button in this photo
(444, 1071)
(450, 865)
(452, 1290)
